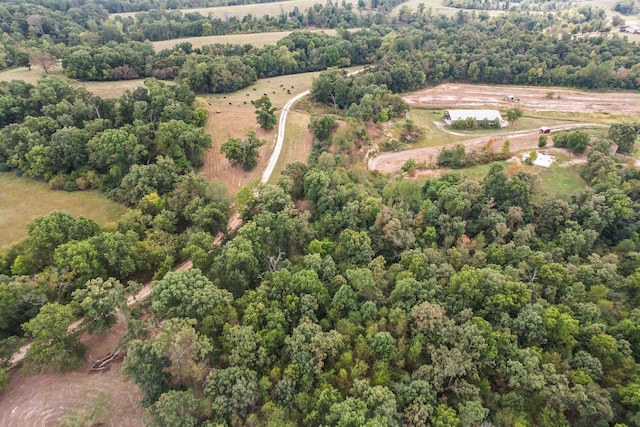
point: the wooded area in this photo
(347, 297)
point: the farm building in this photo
(480, 115)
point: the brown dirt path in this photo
(392, 162)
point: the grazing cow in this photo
(254, 88)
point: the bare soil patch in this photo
(459, 95)
(106, 397)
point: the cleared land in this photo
(101, 89)
(22, 200)
(232, 116)
(105, 398)
(297, 143)
(255, 39)
(239, 11)
(458, 95)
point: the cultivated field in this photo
(255, 39)
(257, 10)
(22, 200)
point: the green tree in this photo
(174, 409)
(623, 135)
(513, 114)
(265, 113)
(99, 300)
(53, 346)
(322, 126)
(243, 151)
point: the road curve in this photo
(392, 162)
(282, 125)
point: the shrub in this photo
(542, 141)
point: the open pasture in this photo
(113, 89)
(239, 11)
(254, 39)
(232, 115)
(22, 200)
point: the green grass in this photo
(553, 182)
(22, 200)
(432, 136)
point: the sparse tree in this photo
(43, 60)
(513, 114)
(265, 113)
(243, 151)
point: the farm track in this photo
(392, 162)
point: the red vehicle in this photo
(545, 129)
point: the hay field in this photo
(22, 200)
(239, 11)
(101, 89)
(232, 115)
(255, 39)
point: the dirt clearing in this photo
(100, 398)
(518, 141)
(453, 95)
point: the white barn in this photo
(480, 115)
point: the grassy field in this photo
(257, 10)
(22, 200)
(553, 182)
(102, 89)
(255, 39)
(297, 143)
(233, 115)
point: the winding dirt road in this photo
(392, 162)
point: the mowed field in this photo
(232, 116)
(101, 89)
(255, 39)
(22, 200)
(239, 11)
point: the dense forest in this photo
(347, 297)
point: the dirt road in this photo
(392, 162)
